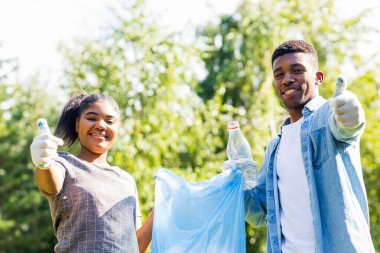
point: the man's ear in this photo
(319, 78)
(76, 125)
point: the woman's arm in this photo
(50, 181)
(144, 232)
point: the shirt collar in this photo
(313, 105)
(310, 107)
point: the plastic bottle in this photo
(237, 146)
(239, 150)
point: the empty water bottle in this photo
(237, 147)
(240, 154)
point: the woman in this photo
(94, 205)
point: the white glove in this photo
(44, 146)
(246, 166)
(348, 112)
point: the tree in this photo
(25, 223)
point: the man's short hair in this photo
(295, 46)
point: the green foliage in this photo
(25, 223)
(367, 88)
(174, 118)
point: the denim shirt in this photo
(338, 198)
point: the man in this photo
(309, 190)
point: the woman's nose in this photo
(101, 124)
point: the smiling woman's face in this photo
(98, 127)
(296, 80)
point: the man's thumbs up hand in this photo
(347, 109)
(44, 146)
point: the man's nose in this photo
(288, 79)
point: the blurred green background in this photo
(177, 98)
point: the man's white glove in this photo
(247, 167)
(44, 146)
(348, 112)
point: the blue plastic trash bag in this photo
(199, 217)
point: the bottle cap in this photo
(233, 125)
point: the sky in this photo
(31, 31)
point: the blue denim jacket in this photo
(334, 175)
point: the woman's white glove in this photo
(44, 146)
(248, 168)
(348, 112)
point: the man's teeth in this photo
(290, 91)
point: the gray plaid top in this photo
(96, 209)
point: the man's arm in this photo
(255, 201)
(254, 190)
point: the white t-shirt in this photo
(295, 209)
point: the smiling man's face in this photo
(296, 80)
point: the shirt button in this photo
(64, 197)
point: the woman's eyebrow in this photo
(92, 113)
(97, 114)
